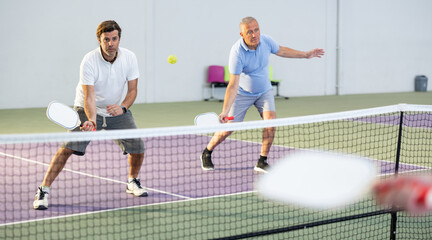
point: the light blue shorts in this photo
(263, 103)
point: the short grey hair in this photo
(247, 20)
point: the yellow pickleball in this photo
(172, 59)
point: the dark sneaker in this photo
(262, 166)
(134, 187)
(41, 200)
(206, 162)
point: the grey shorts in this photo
(263, 103)
(124, 121)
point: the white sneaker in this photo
(134, 187)
(41, 200)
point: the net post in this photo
(393, 223)
(399, 143)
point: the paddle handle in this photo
(94, 129)
(229, 118)
(413, 194)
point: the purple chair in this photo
(216, 79)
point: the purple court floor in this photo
(97, 181)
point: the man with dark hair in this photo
(103, 74)
(249, 84)
(108, 26)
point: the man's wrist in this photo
(93, 122)
(124, 109)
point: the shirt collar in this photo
(101, 56)
(245, 47)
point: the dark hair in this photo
(108, 26)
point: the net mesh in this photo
(88, 198)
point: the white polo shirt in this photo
(108, 79)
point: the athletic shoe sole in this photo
(258, 169)
(205, 168)
(40, 207)
(145, 194)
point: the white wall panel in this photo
(384, 44)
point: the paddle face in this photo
(208, 119)
(318, 180)
(62, 115)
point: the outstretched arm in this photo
(292, 53)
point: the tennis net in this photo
(88, 199)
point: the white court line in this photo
(90, 175)
(186, 199)
(157, 204)
(125, 208)
(149, 205)
(400, 173)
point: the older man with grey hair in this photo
(249, 84)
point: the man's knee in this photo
(269, 115)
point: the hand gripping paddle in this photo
(208, 119)
(63, 115)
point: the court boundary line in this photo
(153, 204)
(404, 172)
(156, 204)
(125, 208)
(90, 175)
(184, 198)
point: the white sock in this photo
(130, 179)
(45, 189)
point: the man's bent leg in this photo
(217, 139)
(56, 166)
(206, 161)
